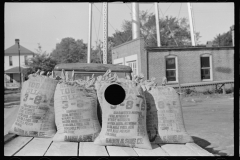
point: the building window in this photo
(206, 67)
(11, 78)
(133, 65)
(10, 61)
(25, 60)
(171, 69)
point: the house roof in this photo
(13, 50)
(15, 69)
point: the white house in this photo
(11, 64)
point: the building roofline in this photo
(16, 54)
(127, 42)
(157, 49)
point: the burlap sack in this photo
(124, 124)
(164, 116)
(75, 113)
(36, 112)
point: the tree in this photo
(173, 31)
(41, 60)
(224, 39)
(97, 54)
(70, 51)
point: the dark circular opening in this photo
(114, 94)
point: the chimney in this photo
(16, 41)
(135, 21)
(209, 44)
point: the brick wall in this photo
(189, 64)
(129, 48)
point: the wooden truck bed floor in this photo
(30, 146)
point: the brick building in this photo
(186, 65)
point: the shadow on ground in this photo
(204, 144)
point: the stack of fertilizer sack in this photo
(80, 111)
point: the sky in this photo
(48, 23)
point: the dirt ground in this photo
(208, 119)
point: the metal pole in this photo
(232, 28)
(157, 25)
(135, 21)
(105, 31)
(19, 66)
(191, 24)
(89, 34)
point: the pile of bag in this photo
(77, 110)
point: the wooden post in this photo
(224, 89)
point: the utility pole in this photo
(191, 24)
(89, 34)
(157, 25)
(19, 66)
(105, 31)
(135, 21)
(232, 29)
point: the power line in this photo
(150, 8)
(161, 11)
(167, 8)
(99, 23)
(128, 7)
(179, 10)
(94, 26)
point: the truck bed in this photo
(30, 146)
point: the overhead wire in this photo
(179, 10)
(167, 8)
(94, 26)
(99, 23)
(150, 8)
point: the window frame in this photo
(132, 58)
(10, 61)
(210, 67)
(176, 68)
(133, 62)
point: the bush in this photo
(189, 91)
(229, 90)
(208, 91)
